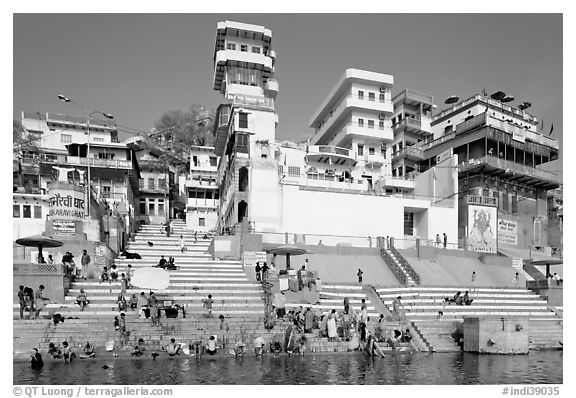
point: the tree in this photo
(176, 130)
(21, 140)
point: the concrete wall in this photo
(55, 285)
(489, 335)
(264, 195)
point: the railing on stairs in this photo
(406, 265)
(394, 267)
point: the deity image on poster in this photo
(482, 229)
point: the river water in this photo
(396, 368)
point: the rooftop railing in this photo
(511, 166)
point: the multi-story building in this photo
(339, 184)
(501, 186)
(411, 125)
(556, 219)
(200, 189)
(63, 143)
(243, 70)
(355, 118)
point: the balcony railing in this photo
(325, 149)
(349, 101)
(512, 167)
(253, 100)
(409, 151)
(106, 163)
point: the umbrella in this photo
(507, 98)
(39, 241)
(548, 263)
(288, 250)
(151, 278)
(498, 95)
(451, 100)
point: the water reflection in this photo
(396, 368)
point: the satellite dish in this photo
(498, 95)
(507, 98)
(451, 100)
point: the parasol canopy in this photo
(548, 263)
(451, 100)
(39, 241)
(151, 278)
(498, 95)
(288, 250)
(507, 98)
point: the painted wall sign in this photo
(482, 231)
(507, 232)
(66, 204)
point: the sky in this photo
(137, 66)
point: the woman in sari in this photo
(332, 331)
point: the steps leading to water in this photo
(422, 305)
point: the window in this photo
(151, 183)
(201, 222)
(371, 151)
(151, 208)
(26, 210)
(381, 125)
(142, 207)
(160, 209)
(360, 122)
(370, 124)
(16, 211)
(208, 194)
(243, 120)
(371, 97)
(216, 195)
(66, 138)
(230, 46)
(256, 50)
(98, 139)
(293, 171)
(360, 95)
(37, 211)
(244, 48)
(514, 204)
(383, 151)
(162, 183)
(408, 223)
(360, 150)
(382, 97)
(213, 161)
(242, 143)
(505, 202)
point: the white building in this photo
(339, 185)
(200, 189)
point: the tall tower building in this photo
(245, 123)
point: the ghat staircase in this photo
(422, 305)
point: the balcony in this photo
(396, 182)
(325, 181)
(330, 154)
(146, 164)
(374, 160)
(101, 163)
(225, 58)
(364, 131)
(253, 101)
(199, 183)
(419, 125)
(347, 105)
(512, 171)
(409, 152)
(203, 203)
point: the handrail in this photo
(395, 268)
(406, 265)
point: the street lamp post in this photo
(88, 117)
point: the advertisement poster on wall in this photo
(507, 232)
(482, 232)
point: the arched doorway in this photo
(242, 210)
